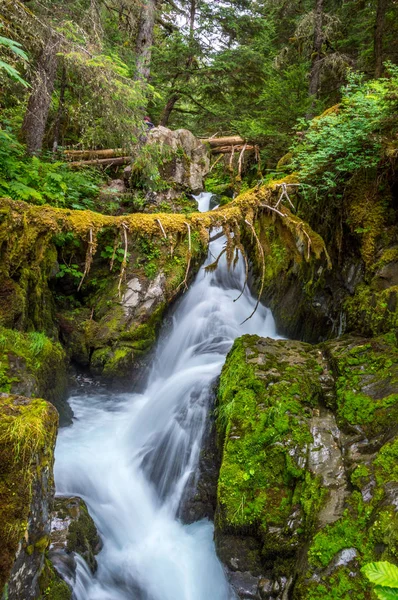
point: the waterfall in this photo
(129, 456)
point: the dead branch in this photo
(91, 154)
(215, 162)
(233, 140)
(102, 162)
(284, 193)
(227, 149)
(241, 159)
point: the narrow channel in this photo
(129, 456)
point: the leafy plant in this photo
(385, 576)
(16, 49)
(71, 270)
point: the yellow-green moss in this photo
(27, 436)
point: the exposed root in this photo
(240, 161)
(124, 263)
(213, 266)
(185, 282)
(161, 228)
(261, 252)
(241, 249)
(89, 258)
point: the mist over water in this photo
(129, 456)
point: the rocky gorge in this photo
(298, 469)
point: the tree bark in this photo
(379, 36)
(60, 113)
(145, 39)
(316, 59)
(34, 124)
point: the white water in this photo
(129, 456)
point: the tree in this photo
(145, 39)
(36, 115)
(379, 36)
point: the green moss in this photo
(260, 425)
(27, 436)
(372, 312)
(31, 364)
(52, 587)
(367, 378)
(83, 537)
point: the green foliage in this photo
(348, 137)
(72, 270)
(39, 181)
(16, 49)
(385, 576)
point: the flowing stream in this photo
(129, 456)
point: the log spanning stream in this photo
(129, 456)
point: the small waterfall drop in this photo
(129, 456)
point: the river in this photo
(129, 456)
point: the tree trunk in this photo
(173, 99)
(379, 34)
(34, 124)
(60, 113)
(316, 59)
(171, 102)
(145, 39)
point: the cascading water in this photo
(129, 456)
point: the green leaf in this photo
(386, 593)
(382, 573)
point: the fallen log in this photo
(91, 154)
(234, 140)
(228, 149)
(102, 162)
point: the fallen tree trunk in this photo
(91, 154)
(102, 162)
(228, 149)
(233, 140)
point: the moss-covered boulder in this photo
(32, 365)
(72, 530)
(27, 437)
(307, 491)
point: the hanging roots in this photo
(162, 228)
(241, 249)
(185, 282)
(89, 258)
(124, 263)
(213, 266)
(261, 252)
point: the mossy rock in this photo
(27, 438)
(75, 531)
(32, 365)
(308, 485)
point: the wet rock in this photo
(72, 531)
(307, 490)
(27, 437)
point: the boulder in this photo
(27, 436)
(189, 161)
(308, 488)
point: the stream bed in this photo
(130, 456)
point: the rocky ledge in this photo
(308, 485)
